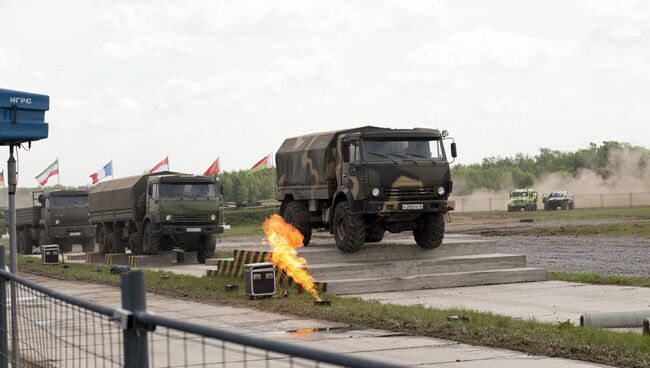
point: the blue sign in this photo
(22, 117)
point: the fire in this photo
(284, 241)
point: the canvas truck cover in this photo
(310, 160)
(117, 195)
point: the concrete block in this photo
(74, 257)
(157, 260)
(183, 257)
(117, 259)
(95, 257)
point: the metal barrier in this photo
(58, 330)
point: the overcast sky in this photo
(134, 81)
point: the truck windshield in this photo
(69, 201)
(556, 194)
(406, 149)
(187, 190)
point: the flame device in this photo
(50, 254)
(259, 279)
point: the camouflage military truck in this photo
(522, 199)
(148, 213)
(360, 183)
(56, 217)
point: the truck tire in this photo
(349, 230)
(24, 244)
(65, 246)
(104, 247)
(206, 248)
(135, 243)
(299, 218)
(88, 245)
(150, 240)
(431, 231)
(375, 235)
(114, 244)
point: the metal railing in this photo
(57, 330)
(490, 203)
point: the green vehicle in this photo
(360, 183)
(161, 211)
(522, 199)
(56, 217)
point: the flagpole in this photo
(273, 193)
(58, 175)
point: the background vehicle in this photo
(559, 199)
(56, 217)
(522, 199)
(156, 212)
(360, 183)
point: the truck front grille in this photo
(196, 219)
(409, 193)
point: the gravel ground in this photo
(611, 255)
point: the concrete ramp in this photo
(400, 265)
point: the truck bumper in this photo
(71, 232)
(380, 207)
(190, 229)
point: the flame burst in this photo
(284, 241)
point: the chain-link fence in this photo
(52, 329)
(489, 203)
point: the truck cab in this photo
(360, 183)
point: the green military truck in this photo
(522, 199)
(148, 213)
(360, 183)
(56, 217)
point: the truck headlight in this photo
(375, 192)
(168, 217)
(441, 190)
(213, 217)
(57, 222)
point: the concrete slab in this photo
(374, 344)
(548, 301)
(95, 257)
(121, 259)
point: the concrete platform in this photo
(548, 301)
(165, 258)
(398, 265)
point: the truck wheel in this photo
(114, 244)
(135, 243)
(431, 231)
(150, 240)
(295, 215)
(65, 247)
(206, 248)
(24, 244)
(349, 230)
(88, 245)
(375, 234)
(104, 247)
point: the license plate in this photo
(412, 206)
(193, 229)
(75, 234)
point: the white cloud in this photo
(147, 47)
(7, 58)
(619, 22)
(488, 48)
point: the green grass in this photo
(561, 340)
(592, 278)
(577, 214)
(243, 230)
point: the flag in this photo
(106, 170)
(264, 163)
(213, 169)
(50, 171)
(2, 178)
(161, 166)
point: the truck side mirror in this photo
(453, 150)
(345, 151)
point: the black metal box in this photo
(259, 279)
(50, 254)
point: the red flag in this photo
(213, 169)
(161, 166)
(264, 163)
